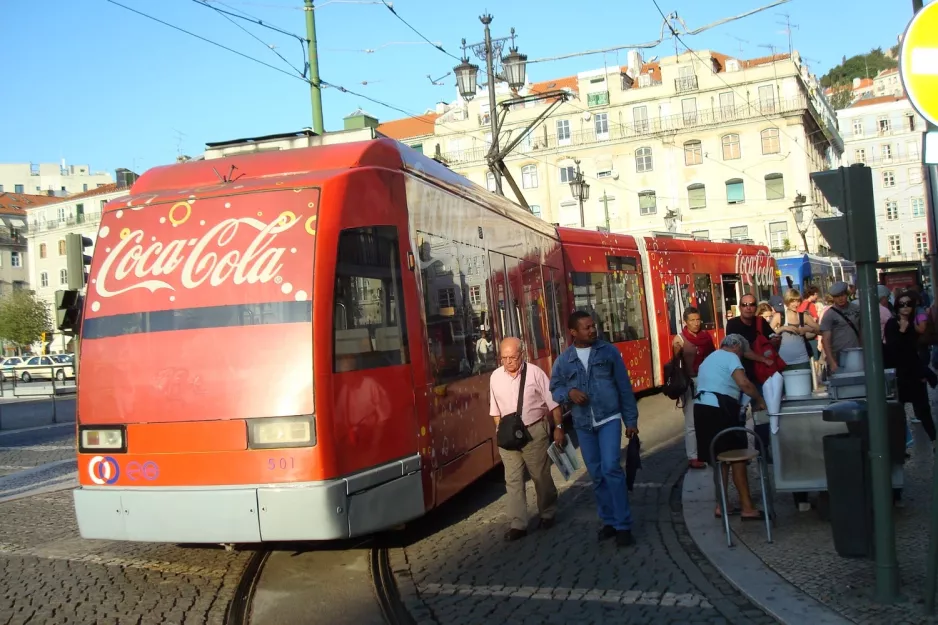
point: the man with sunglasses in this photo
(747, 326)
(840, 326)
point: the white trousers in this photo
(690, 433)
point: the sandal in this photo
(758, 517)
(733, 512)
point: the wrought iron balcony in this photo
(685, 83)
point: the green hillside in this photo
(859, 66)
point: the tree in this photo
(23, 318)
(842, 97)
(859, 66)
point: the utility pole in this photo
(315, 89)
(580, 191)
(493, 118)
(605, 201)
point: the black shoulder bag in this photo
(512, 435)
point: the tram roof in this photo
(654, 243)
(312, 166)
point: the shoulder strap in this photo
(524, 373)
(801, 319)
(849, 323)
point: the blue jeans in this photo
(601, 450)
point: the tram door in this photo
(677, 299)
(732, 292)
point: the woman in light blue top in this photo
(721, 380)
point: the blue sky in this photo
(94, 83)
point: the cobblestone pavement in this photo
(49, 575)
(39, 458)
(803, 550)
(461, 570)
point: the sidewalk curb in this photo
(741, 567)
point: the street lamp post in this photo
(797, 213)
(514, 69)
(580, 190)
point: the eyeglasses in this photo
(748, 305)
(511, 358)
(905, 304)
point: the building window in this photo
(597, 99)
(889, 179)
(536, 210)
(601, 125)
(739, 233)
(43, 251)
(369, 317)
(643, 160)
(567, 174)
(702, 234)
(731, 147)
(778, 235)
(647, 203)
(911, 119)
(918, 206)
(15, 259)
(892, 210)
(84, 187)
(727, 105)
(915, 175)
(44, 279)
(697, 196)
(529, 176)
(911, 150)
(63, 276)
(770, 144)
(446, 298)
(895, 245)
(490, 182)
(859, 156)
(475, 295)
(921, 242)
(563, 130)
(61, 213)
(640, 118)
(884, 125)
(693, 153)
(18, 188)
(689, 110)
(774, 187)
(858, 128)
(767, 98)
(885, 152)
(735, 193)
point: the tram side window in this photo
(535, 315)
(369, 323)
(614, 302)
(553, 290)
(703, 295)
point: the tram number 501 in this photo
(280, 463)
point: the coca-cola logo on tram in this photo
(755, 268)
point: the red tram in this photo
(228, 392)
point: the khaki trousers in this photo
(534, 457)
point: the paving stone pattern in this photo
(803, 550)
(462, 572)
(49, 575)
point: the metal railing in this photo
(685, 84)
(55, 224)
(643, 128)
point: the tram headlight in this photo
(274, 432)
(91, 439)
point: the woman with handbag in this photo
(691, 347)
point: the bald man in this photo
(538, 412)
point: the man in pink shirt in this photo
(538, 412)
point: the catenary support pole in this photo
(315, 89)
(490, 72)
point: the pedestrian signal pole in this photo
(853, 236)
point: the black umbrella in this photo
(633, 460)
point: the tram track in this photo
(387, 604)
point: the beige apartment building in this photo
(699, 143)
(48, 225)
(57, 179)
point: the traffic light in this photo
(76, 260)
(853, 234)
(68, 310)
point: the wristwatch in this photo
(559, 426)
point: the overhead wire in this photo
(226, 14)
(438, 46)
(245, 16)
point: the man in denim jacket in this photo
(591, 375)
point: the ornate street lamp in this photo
(515, 67)
(580, 190)
(467, 76)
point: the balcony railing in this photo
(685, 83)
(878, 161)
(642, 128)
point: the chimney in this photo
(440, 108)
(635, 63)
(360, 119)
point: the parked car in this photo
(43, 368)
(8, 365)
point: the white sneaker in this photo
(804, 506)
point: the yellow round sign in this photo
(918, 62)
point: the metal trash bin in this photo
(848, 480)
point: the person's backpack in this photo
(676, 380)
